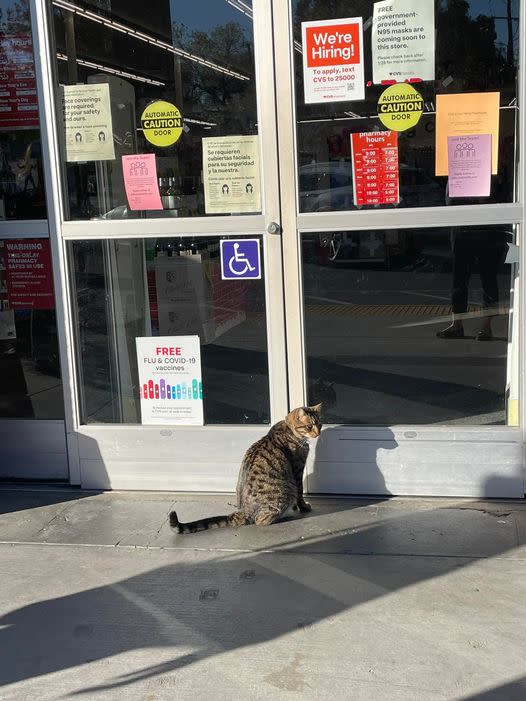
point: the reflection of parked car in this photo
(418, 189)
(328, 186)
(353, 246)
(325, 186)
(391, 248)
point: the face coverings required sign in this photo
(88, 124)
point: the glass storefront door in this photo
(165, 139)
(408, 324)
(389, 289)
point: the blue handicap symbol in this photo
(240, 259)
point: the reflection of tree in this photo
(16, 19)
(467, 49)
(216, 95)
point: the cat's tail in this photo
(238, 518)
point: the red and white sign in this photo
(333, 60)
(18, 90)
(375, 167)
(28, 274)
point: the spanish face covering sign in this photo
(170, 380)
(333, 60)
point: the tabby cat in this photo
(270, 483)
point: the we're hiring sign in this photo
(333, 60)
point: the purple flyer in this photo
(469, 165)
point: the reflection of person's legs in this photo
(463, 257)
(491, 254)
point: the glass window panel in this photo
(22, 193)
(476, 50)
(198, 56)
(29, 357)
(167, 287)
(412, 326)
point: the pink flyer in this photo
(140, 180)
(469, 165)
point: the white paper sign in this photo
(403, 40)
(170, 380)
(231, 174)
(333, 60)
(87, 122)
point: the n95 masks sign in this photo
(162, 123)
(403, 40)
(333, 60)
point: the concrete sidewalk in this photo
(401, 599)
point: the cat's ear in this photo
(316, 408)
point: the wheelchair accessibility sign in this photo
(240, 259)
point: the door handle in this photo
(273, 228)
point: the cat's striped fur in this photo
(270, 480)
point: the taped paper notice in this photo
(231, 174)
(140, 181)
(466, 114)
(469, 165)
(87, 121)
(403, 41)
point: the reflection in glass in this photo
(31, 386)
(489, 29)
(167, 287)
(197, 56)
(21, 176)
(412, 326)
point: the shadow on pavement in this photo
(209, 603)
(514, 691)
(12, 499)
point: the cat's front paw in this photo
(304, 506)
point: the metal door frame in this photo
(32, 449)
(99, 454)
(340, 471)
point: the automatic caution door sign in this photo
(400, 107)
(162, 123)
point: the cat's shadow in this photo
(341, 464)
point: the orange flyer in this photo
(466, 114)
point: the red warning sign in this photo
(29, 275)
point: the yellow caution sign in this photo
(162, 123)
(400, 107)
